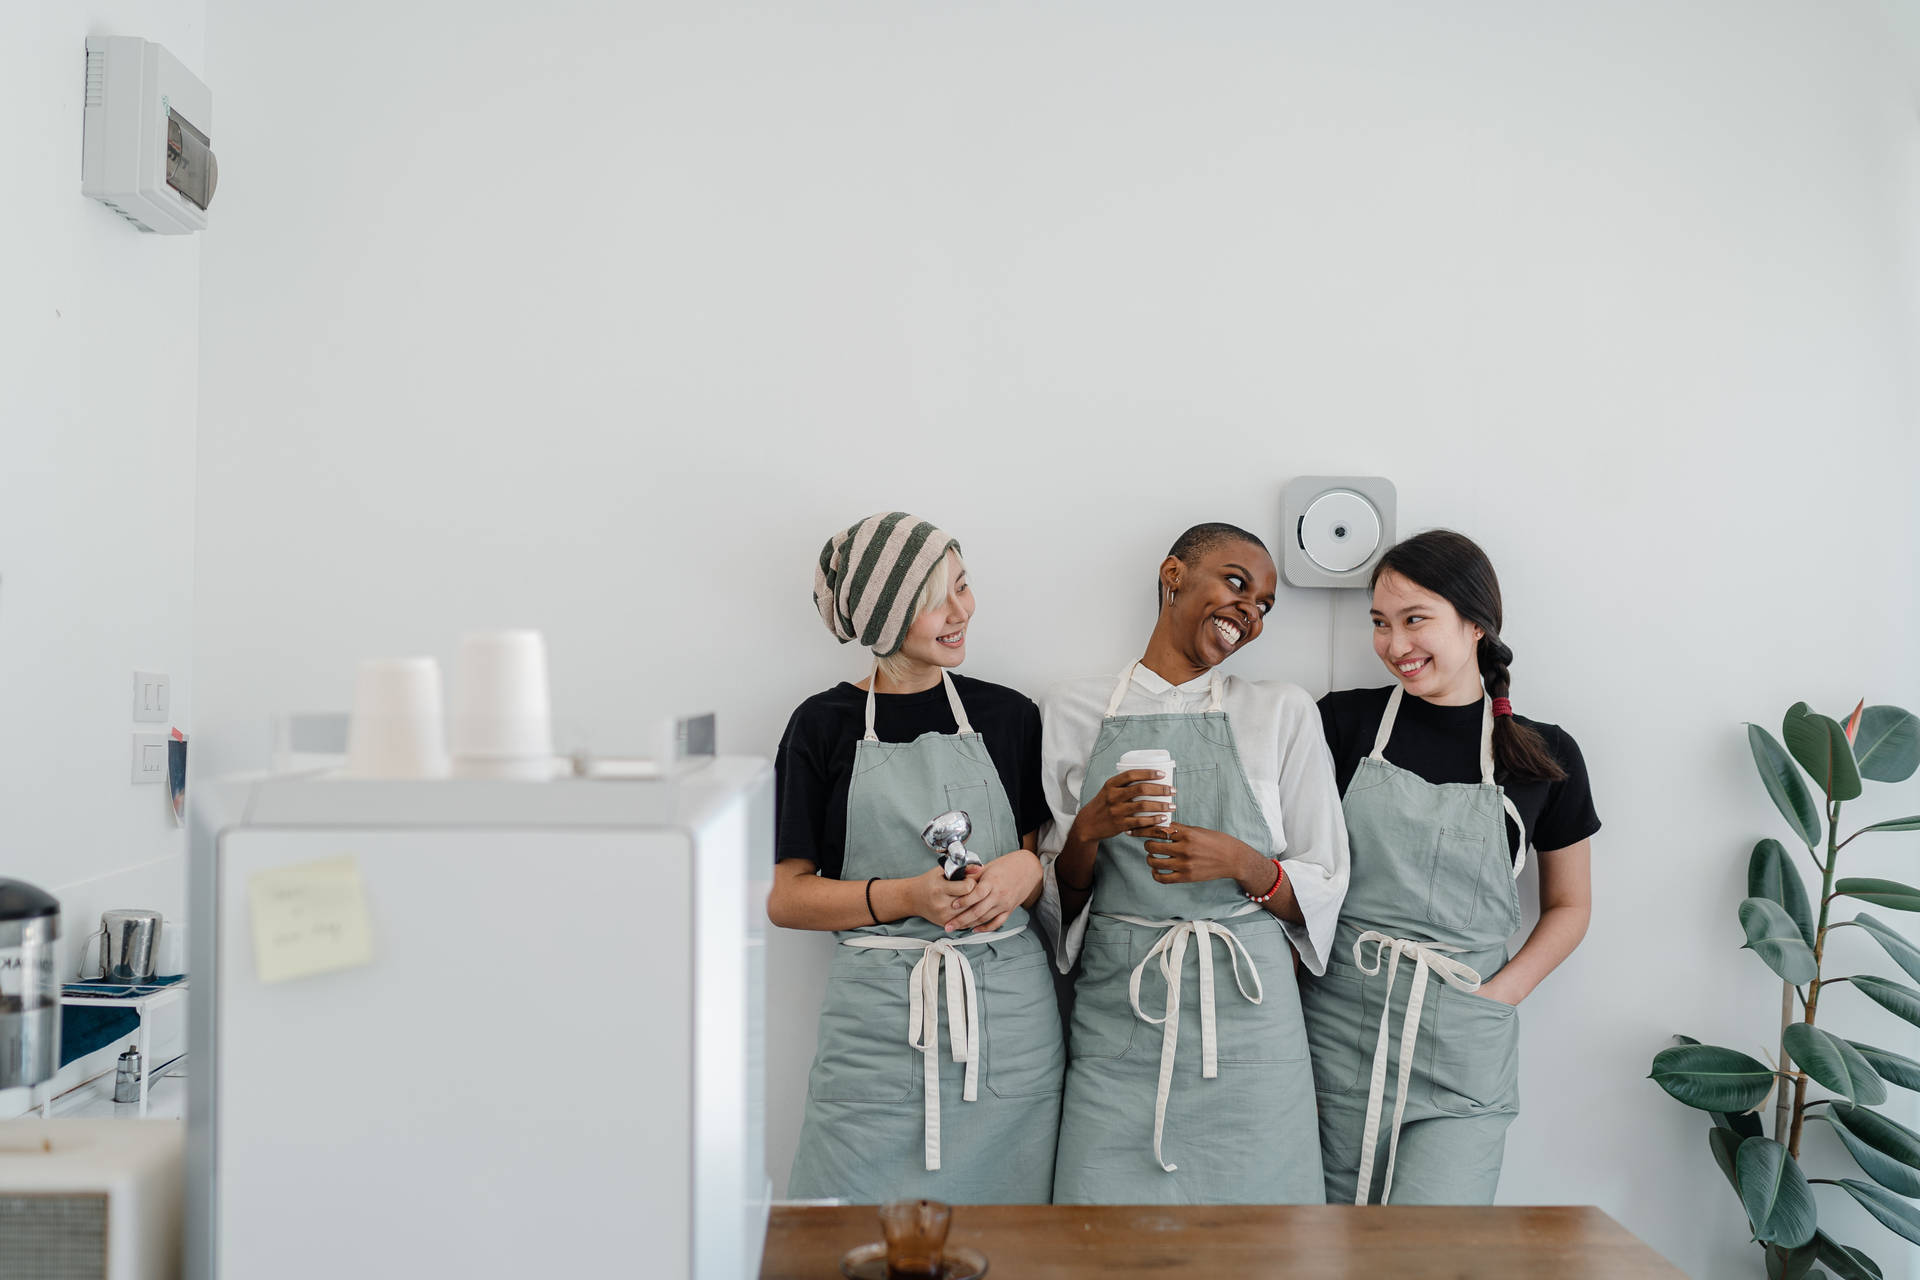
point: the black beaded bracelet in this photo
(870, 910)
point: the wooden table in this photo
(1301, 1242)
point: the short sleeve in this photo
(800, 798)
(1568, 817)
(1030, 801)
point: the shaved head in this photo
(1203, 538)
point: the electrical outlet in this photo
(149, 757)
(152, 695)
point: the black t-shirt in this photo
(815, 761)
(1442, 744)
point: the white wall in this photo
(600, 317)
(99, 356)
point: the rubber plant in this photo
(1789, 931)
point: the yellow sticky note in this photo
(308, 919)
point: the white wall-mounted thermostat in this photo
(146, 152)
(1334, 529)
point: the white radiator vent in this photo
(54, 1237)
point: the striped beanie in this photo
(868, 581)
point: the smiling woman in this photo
(1444, 789)
(862, 769)
(1243, 853)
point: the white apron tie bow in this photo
(923, 1014)
(1171, 950)
(1429, 958)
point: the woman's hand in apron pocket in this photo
(1502, 992)
(1129, 804)
(1187, 855)
(937, 899)
(1005, 883)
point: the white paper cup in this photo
(1150, 758)
(398, 728)
(501, 709)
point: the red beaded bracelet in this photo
(1279, 874)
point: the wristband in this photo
(1279, 874)
(870, 910)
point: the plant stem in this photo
(1819, 949)
(1782, 1107)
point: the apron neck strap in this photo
(1214, 691)
(1486, 740)
(953, 701)
(1379, 751)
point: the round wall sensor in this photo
(1340, 531)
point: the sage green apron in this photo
(1432, 892)
(883, 1120)
(1146, 1120)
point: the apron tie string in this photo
(1171, 951)
(923, 1013)
(1429, 959)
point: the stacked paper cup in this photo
(502, 717)
(398, 729)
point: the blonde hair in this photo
(932, 596)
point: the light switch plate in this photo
(152, 696)
(149, 757)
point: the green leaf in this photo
(1834, 1063)
(1725, 1144)
(1775, 938)
(1742, 1124)
(1778, 1201)
(1784, 784)
(1896, 999)
(1886, 1149)
(1820, 745)
(1711, 1078)
(1892, 824)
(1881, 893)
(1887, 745)
(1848, 1263)
(1890, 1067)
(1772, 875)
(1791, 1264)
(1904, 953)
(1895, 1214)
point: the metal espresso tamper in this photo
(946, 835)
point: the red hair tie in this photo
(1501, 707)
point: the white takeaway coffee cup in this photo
(397, 729)
(1150, 758)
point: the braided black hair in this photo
(1453, 567)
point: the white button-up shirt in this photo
(1276, 727)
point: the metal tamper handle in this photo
(946, 836)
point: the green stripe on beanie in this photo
(867, 581)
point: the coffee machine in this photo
(29, 990)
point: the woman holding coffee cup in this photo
(1443, 791)
(1241, 854)
(862, 772)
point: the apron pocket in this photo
(1476, 1053)
(1339, 1043)
(1453, 891)
(1269, 1032)
(1197, 801)
(977, 802)
(1021, 1036)
(864, 1055)
(1103, 1018)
